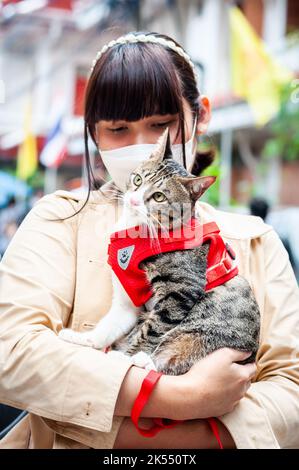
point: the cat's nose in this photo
(134, 201)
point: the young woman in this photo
(54, 274)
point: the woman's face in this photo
(115, 134)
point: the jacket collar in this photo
(232, 225)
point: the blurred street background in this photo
(247, 57)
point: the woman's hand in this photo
(214, 385)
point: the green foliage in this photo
(284, 142)
(36, 181)
(211, 196)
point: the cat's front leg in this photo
(120, 319)
(112, 327)
(108, 330)
(76, 337)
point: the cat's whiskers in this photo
(163, 228)
(114, 196)
(150, 225)
(153, 230)
(113, 192)
(154, 240)
(142, 214)
(146, 220)
(155, 218)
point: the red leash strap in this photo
(213, 425)
(146, 389)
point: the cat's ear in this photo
(196, 185)
(163, 148)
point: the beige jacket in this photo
(55, 273)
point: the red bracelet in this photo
(146, 389)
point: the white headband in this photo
(130, 38)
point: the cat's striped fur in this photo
(185, 322)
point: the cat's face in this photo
(161, 193)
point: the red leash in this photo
(213, 424)
(146, 389)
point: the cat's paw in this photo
(106, 334)
(71, 336)
(142, 359)
(103, 338)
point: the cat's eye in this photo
(137, 180)
(159, 197)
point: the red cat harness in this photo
(129, 247)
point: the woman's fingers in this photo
(237, 356)
(250, 369)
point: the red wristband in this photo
(147, 387)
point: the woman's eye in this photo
(159, 197)
(117, 129)
(162, 124)
(137, 180)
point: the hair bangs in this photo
(134, 83)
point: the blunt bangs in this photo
(135, 81)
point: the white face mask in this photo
(122, 161)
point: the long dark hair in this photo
(135, 80)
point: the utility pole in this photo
(138, 14)
(226, 147)
(44, 62)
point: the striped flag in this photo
(55, 149)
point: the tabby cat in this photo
(182, 322)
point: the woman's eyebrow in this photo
(162, 116)
(149, 118)
(113, 122)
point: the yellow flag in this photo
(256, 76)
(27, 159)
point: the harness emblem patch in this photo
(124, 255)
